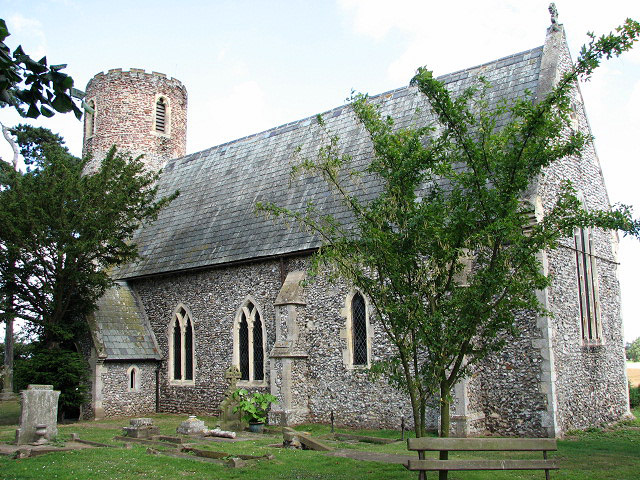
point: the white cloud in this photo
(29, 33)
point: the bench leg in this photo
(546, 472)
(422, 475)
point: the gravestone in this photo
(38, 406)
(191, 426)
(228, 419)
(140, 428)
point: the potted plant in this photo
(253, 407)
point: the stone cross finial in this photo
(554, 13)
(233, 375)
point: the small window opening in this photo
(132, 379)
(161, 112)
(89, 115)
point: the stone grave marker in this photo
(191, 426)
(228, 419)
(140, 428)
(38, 407)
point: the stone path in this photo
(372, 456)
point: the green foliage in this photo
(61, 231)
(65, 369)
(41, 88)
(253, 406)
(446, 252)
(633, 350)
(634, 396)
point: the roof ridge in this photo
(309, 120)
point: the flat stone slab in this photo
(372, 456)
(291, 435)
(33, 450)
(364, 438)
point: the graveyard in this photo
(151, 447)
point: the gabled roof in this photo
(213, 221)
(120, 329)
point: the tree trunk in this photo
(445, 423)
(7, 389)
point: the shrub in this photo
(65, 369)
(253, 406)
(634, 396)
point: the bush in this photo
(634, 396)
(65, 369)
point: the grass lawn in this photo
(610, 454)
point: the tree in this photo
(42, 89)
(633, 350)
(24, 82)
(61, 231)
(446, 252)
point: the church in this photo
(218, 286)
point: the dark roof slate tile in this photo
(213, 221)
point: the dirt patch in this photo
(634, 376)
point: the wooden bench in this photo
(425, 444)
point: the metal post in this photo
(402, 427)
(332, 429)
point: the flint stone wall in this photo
(214, 297)
(118, 398)
(589, 380)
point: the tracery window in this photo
(249, 343)
(587, 286)
(181, 351)
(161, 113)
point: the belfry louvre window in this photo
(249, 343)
(359, 330)
(161, 113)
(587, 286)
(181, 358)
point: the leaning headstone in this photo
(191, 426)
(230, 420)
(39, 407)
(140, 428)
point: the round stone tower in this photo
(140, 113)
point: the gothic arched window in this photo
(181, 351)
(357, 332)
(587, 286)
(248, 343)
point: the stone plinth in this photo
(191, 426)
(140, 428)
(39, 406)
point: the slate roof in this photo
(120, 329)
(213, 221)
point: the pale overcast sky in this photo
(252, 65)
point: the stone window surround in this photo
(167, 116)
(590, 282)
(346, 332)
(183, 323)
(90, 119)
(135, 371)
(250, 316)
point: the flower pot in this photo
(256, 427)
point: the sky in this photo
(252, 65)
